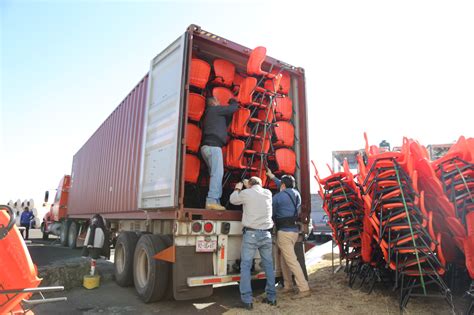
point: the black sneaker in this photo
(267, 301)
(247, 306)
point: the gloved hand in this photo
(239, 185)
(270, 174)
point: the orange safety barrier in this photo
(17, 270)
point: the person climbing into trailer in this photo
(285, 213)
(216, 120)
(257, 224)
(25, 221)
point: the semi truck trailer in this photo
(139, 172)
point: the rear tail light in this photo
(208, 227)
(196, 227)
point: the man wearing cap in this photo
(257, 222)
(285, 213)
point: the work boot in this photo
(301, 294)
(267, 301)
(214, 206)
(284, 290)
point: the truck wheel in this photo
(64, 232)
(150, 276)
(123, 258)
(72, 235)
(45, 234)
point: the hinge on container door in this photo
(147, 222)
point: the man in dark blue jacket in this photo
(25, 221)
(215, 124)
(286, 204)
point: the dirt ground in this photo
(332, 295)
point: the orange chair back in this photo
(196, 106)
(286, 161)
(284, 134)
(192, 168)
(256, 59)
(224, 72)
(199, 74)
(223, 95)
(193, 137)
(284, 108)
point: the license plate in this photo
(205, 246)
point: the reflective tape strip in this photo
(201, 281)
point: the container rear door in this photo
(160, 159)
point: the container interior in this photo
(263, 133)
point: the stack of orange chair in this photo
(343, 204)
(448, 183)
(403, 226)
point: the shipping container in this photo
(137, 172)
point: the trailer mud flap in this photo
(191, 264)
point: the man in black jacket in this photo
(214, 138)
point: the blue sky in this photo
(389, 68)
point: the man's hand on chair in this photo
(270, 174)
(239, 186)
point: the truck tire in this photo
(64, 232)
(72, 235)
(150, 276)
(123, 258)
(45, 234)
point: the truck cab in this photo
(52, 220)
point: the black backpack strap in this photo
(293, 202)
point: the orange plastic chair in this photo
(284, 134)
(224, 72)
(199, 74)
(469, 253)
(239, 126)
(237, 82)
(17, 270)
(235, 155)
(256, 59)
(193, 137)
(283, 86)
(223, 95)
(286, 161)
(196, 106)
(261, 145)
(246, 91)
(192, 168)
(266, 115)
(284, 108)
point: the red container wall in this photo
(106, 170)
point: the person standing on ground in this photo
(215, 124)
(257, 223)
(285, 213)
(25, 221)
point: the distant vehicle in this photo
(321, 229)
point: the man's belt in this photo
(251, 229)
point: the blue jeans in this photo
(251, 241)
(213, 158)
